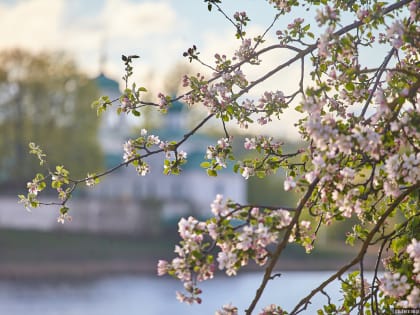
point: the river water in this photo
(152, 295)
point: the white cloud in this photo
(31, 24)
(128, 20)
(125, 26)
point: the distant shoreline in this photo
(35, 255)
(87, 270)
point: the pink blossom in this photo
(245, 50)
(152, 139)
(413, 7)
(129, 150)
(395, 33)
(394, 285)
(228, 309)
(33, 188)
(413, 298)
(414, 249)
(247, 171)
(249, 144)
(182, 154)
(323, 42)
(218, 207)
(143, 169)
(289, 183)
(227, 260)
(163, 102)
(162, 267)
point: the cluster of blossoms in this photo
(219, 154)
(413, 251)
(216, 97)
(327, 15)
(283, 5)
(174, 158)
(227, 309)
(242, 20)
(272, 160)
(60, 181)
(304, 234)
(34, 187)
(296, 23)
(130, 150)
(394, 285)
(324, 42)
(399, 168)
(64, 217)
(132, 146)
(126, 104)
(191, 265)
(163, 101)
(91, 180)
(222, 63)
(245, 51)
(272, 309)
(399, 286)
(338, 139)
(197, 85)
(395, 33)
(239, 234)
(270, 103)
(289, 183)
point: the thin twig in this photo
(303, 302)
(280, 247)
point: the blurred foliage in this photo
(45, 99)
(269, 191)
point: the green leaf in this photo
(41, 186)
(55, 184)
(260, 174)
(211, 172)
(197, 254)
(349, 86)
(205, 164)
(64, 210)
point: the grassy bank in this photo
(38, 246)
(29, 254)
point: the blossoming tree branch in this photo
(360, 160)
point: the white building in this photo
(125, 202)
(172, 196)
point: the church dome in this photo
(176, 107)
(105, 83)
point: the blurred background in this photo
(56, 58)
